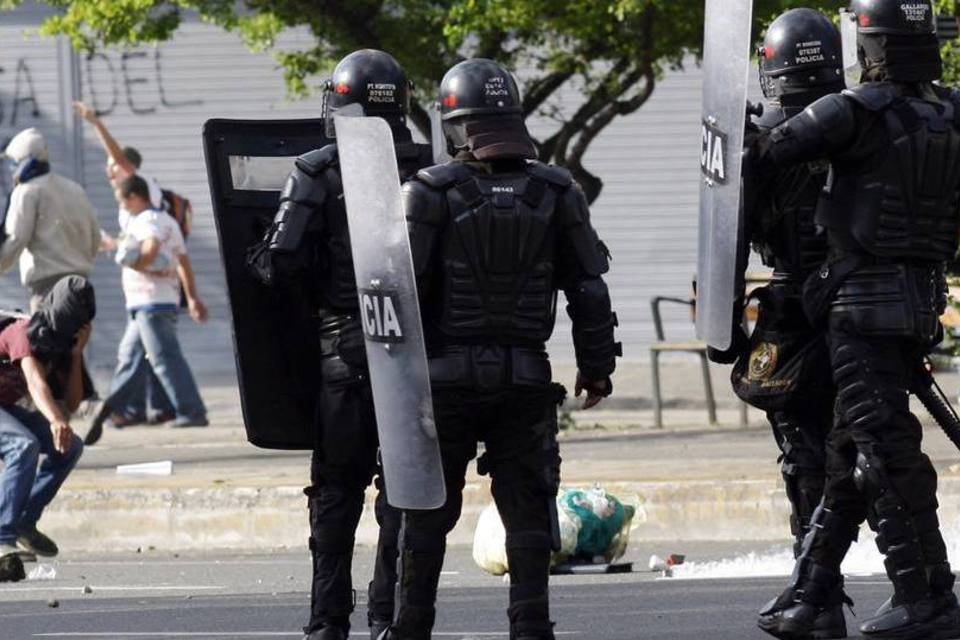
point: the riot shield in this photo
(848, 33)
(274, 335)
(390, 314)
(726, 64)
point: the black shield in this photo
(274, 330)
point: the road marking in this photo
(467, 635)
(95, 588)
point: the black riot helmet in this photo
(372, 79)
(897, 40)
(801, 53)
(481, 112)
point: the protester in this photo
(42, 358)
(147, 400)
(154, 265)
(50, 227)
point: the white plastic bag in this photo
(490, 542)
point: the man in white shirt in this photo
(50, 227)
(149, 402)
(155, 262)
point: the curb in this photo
(246, 518)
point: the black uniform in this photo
(890, 208)
(493, 242)
(786, 369)
(309, 245)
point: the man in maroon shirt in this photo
(40, 357)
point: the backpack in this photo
(181, 210)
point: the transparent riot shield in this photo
(726, 65)
(848, 33)
(274, 329)
(390, 314)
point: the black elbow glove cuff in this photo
(596, 349)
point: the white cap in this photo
(29, 143)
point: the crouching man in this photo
(41, 356)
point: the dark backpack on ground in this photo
(11, 568)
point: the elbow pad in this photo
(821, 130)
(593, 329)
(302, 195)
(591, 254)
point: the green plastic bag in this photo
(601, 517)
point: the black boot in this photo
(377, 628)
(413, 623)
(935, 616)
(327, 633)
(829, 624)
(530, 620)
(812, 606)
(807, 609)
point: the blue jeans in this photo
(148, 400)
(150, 344)
(24, 490)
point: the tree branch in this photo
(543, 88)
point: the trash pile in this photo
(594, 530)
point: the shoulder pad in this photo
(557, 176)
(872, 96)
(444, 176)
(314, 162)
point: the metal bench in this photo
(662, 346)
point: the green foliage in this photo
(611, 52)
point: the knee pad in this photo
(870, 475)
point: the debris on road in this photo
(161, 468)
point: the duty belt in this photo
(489, 366)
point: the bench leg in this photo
(744, 419)
(655, 377)
(708, 389)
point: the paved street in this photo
(265, 596)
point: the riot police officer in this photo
(494, 236)
(890, 209)
(309, 245)
(784, 368)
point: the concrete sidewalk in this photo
(693, 482)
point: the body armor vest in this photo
(335, 280)
(896, 194)
(782, 226)
(498, 276)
